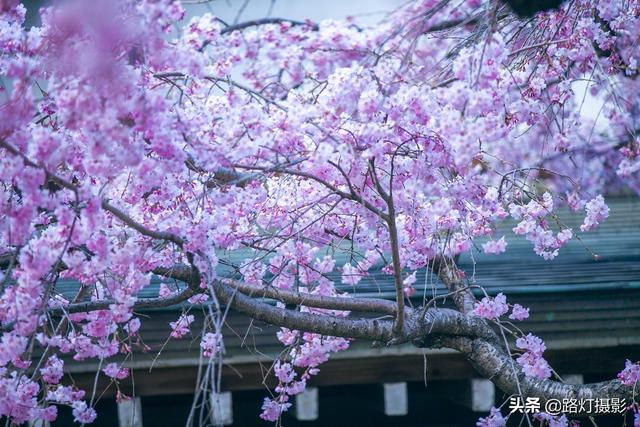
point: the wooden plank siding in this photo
(581, 319)
(586, 309)
(443, 366)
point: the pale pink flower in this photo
(630, 375)
(534, 365)
(495, 246)
(350, 275)
(115, 371)
(519, 312)
(495, 419)
(52, 371)
(597, 211)
(407, 285)
(284, 372)
(180, 327)
(491, 308)
(272, 409)
(531, 343)
(210, 344)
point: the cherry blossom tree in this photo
(135, 143)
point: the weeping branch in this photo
(130, 222)
(264, 21)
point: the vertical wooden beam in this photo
(130, 413)
(222, 408)
(307, 404)
(483, 395)
(396, 400)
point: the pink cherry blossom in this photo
(272, 409)
(133, 326)
(630, 375)
(351, 275)
(180, 327)
(532, 362)
(252, 272)
(210, 344)
(12, 346)
(597, 211)
(198, 299)
(531, 343)
(407, 285)
(495, 419)
(82, 413)
(284, 372)
(519, 312)
(491, 308)
(495, 246)
(115, 371)
(287, 336)
(52, 372)
(533, 365)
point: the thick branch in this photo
(161, 235)
(264, 21)
(493, 362)
(435, 321)
(364, 305)
(180, 272)
(446, 269)
(393, 241)
(370, 329)
(87, 306)
(238, 295)
(50, 176)
(397, 270)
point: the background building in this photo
(586, 308)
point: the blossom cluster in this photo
(531, 361)
(493, 308)
(630, 375)
(494, 419)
